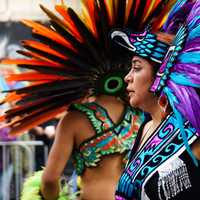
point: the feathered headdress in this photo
(179, 74)
(73, 56)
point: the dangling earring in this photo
(163, 103)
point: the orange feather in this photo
(69, 23)
(128, 9)
(44, 31)
(19, 129)
(33, 76)
(43, 47)
(29, 62)
(88, 16)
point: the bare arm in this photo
(196, 149)
(59, 155)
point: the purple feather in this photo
(189, 103)
(192, 42)
(177, 18)
(187, 68)
(192, 47)
(193, 16)
(190, 70)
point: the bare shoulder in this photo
(70, 122)
(147, 126)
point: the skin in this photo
(68, 136)
(139, 80)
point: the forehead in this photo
(138, 58)
(143, 62)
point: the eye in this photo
(140, 38)
(136, 68)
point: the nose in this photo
(128, 77)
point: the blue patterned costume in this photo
(146, 176)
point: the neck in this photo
(156, 113)
(101, 99)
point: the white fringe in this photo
(173, 179)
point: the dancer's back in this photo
(100, 182)
(99, 156)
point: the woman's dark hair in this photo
(155, 67)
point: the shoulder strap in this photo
(96, 114)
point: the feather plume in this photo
(68, 58)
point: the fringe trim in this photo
(173, 179)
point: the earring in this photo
(163, 103)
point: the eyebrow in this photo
(136, 60)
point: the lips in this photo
(130, 92)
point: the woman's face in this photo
(139, 80)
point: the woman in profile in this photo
(164, 81)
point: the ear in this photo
(163, 103)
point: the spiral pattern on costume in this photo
(167, 130)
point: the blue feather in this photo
(175, 9)
(172, 100)
(148, 51)
(150, 45)
(160, 49)
(161, 45)
(144, 55)
(177, 6)
(193, 22)
(137, 43)
(150, 36)
(189, 57)
(182, 79)
(142, 51)
(157, 55)
(194, 33)
(151, 40)
(143, 46)
(144, 42)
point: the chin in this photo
(133, 103)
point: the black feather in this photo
(52, 86)
(90, 41)
(74, 57)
